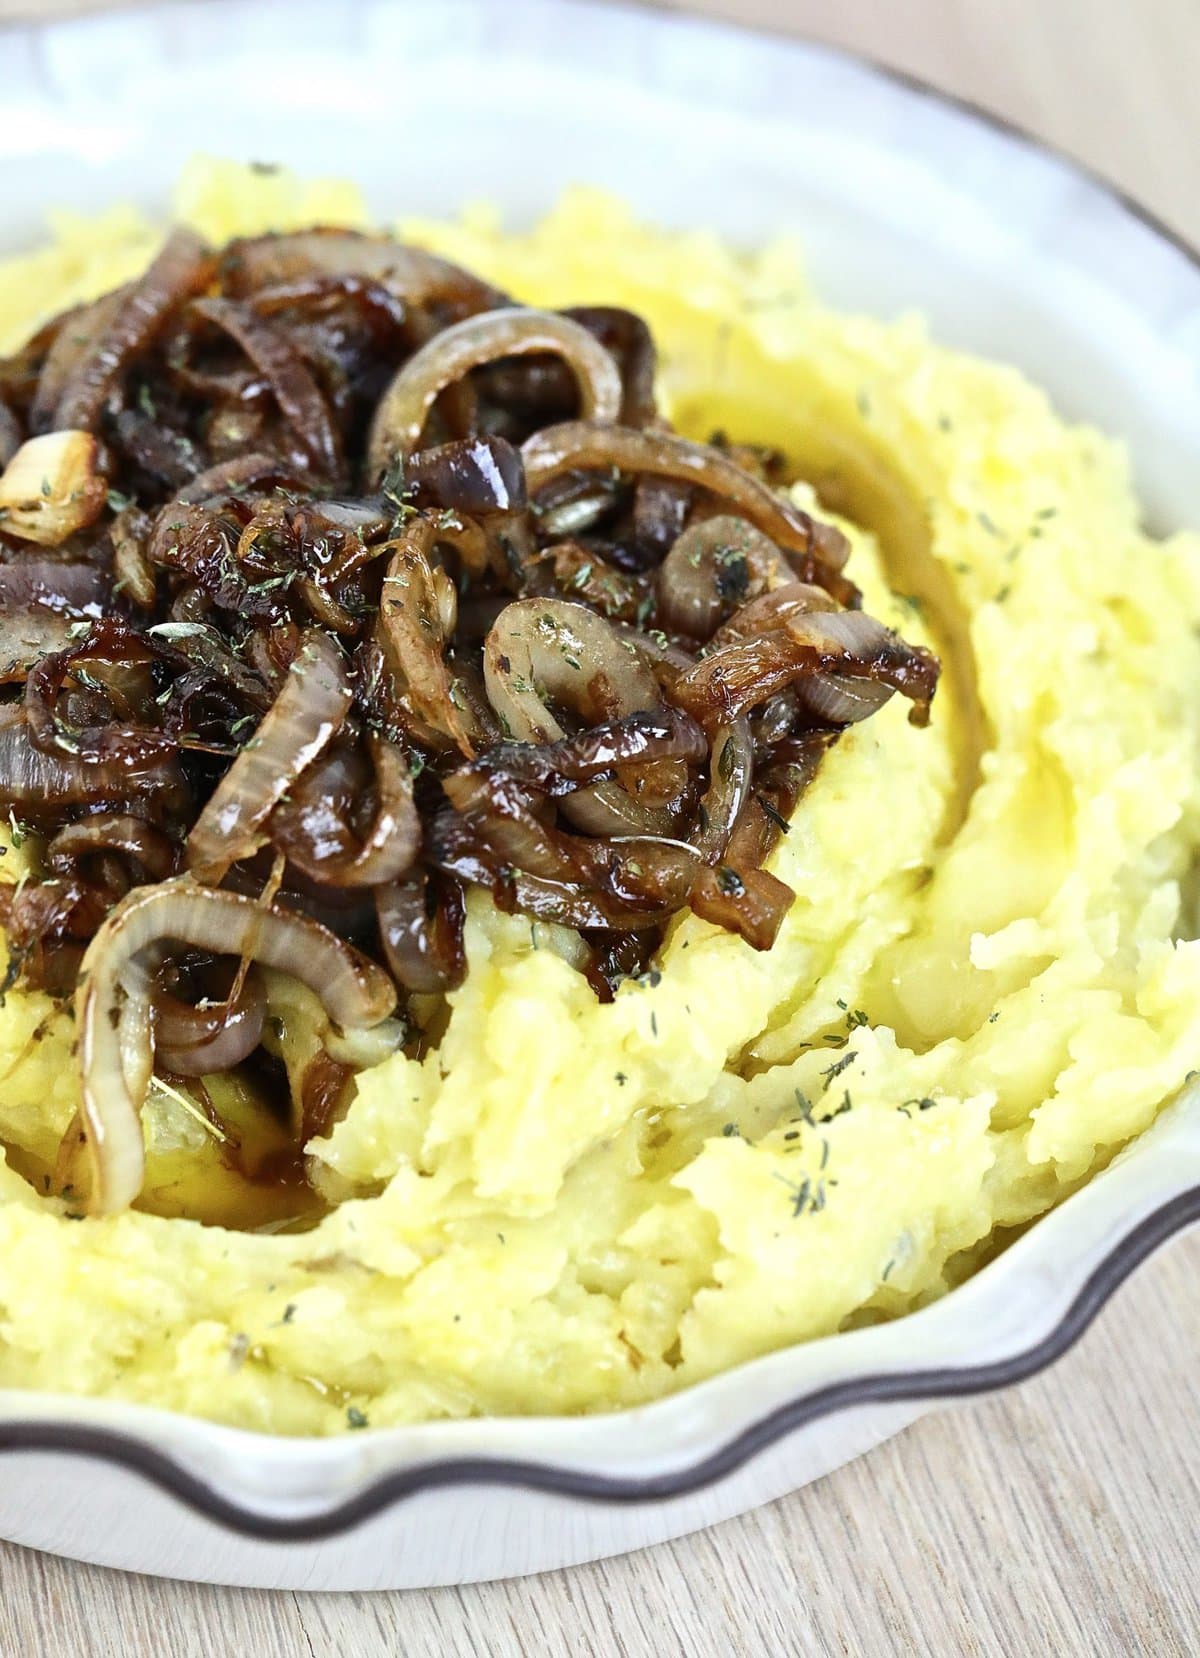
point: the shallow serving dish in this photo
(903, 200)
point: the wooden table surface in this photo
(1057, 1519)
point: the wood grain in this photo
(1059, 1519)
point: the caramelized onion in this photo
(421, 930)
(180, 270)
(146, 851)
(405, 406)
(477, 475)
(10, 434)
(237, 475)
(508, 712)
(116, 1051)
(541, 648)
(558, 768)
(306, 714)
(41, 603)
(738, 676)
(197, 1041)
(311, 826)
(41, 784)
(78, 335)
(411, 274)
(412, 639)
(713, 569)
(276, 358)
(130, 533)
(114, 662)
(592, 447)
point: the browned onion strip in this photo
(636, 870)
(642, 872)
(833, 698)
(495, 800)
(542, 648)
(571, 906)
(740, 675)
(629, 341)
(716, 566)
(421, 930)
(147, 850)
(739, 894)
(41, 601)
(873, 652)
(477, 476)
(587, 446)
(773, 610)
(10, 434)
(181, 269)
(197, 1041)
(40, 782)
(410, 274)
(458, 847)
(311, 829)
(130, 533)
(79, 333)
(836, 699)
(388, 313)
(116, 661)
(405, 406)
(277, 360)
(413, 640)
(558, 768)
(751, 902)
(116, 1051)
(732, 772)
(243, 472)
(308, 711)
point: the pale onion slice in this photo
(112, 1003)
(51, 488)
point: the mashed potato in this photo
(978, 997)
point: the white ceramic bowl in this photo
(904, 199)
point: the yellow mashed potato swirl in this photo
(978, 997)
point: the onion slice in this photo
(411, 274)
(147, 850)
(43, 783)
(309, 710)
(402, 412)
(412, 638)
(551, 648)
(714, 567)
(278, 361)
(116, 1049)
(181, 269)
(578, 444)
(196, 1041)
(311, 830)
(421, 930)
(79, 331)
(745, 672)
